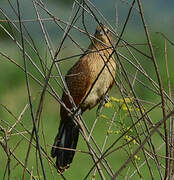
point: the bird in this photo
(88, 81)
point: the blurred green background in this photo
(13, 92)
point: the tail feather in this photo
(67, 137)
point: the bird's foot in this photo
(103, 101)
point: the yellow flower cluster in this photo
(122, 100)
(109, 105)
(123, 106)
(137, 157)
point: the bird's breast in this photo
(102, 77)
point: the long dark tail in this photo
(67, 137)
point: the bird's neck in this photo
(99, 46)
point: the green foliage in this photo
(3, 34)
(14, 95)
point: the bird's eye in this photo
(107, 31)
(101, 31)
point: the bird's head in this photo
(103, 34)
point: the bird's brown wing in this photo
(78, 81)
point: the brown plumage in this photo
(79, 80)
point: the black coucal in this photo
(88, 81)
